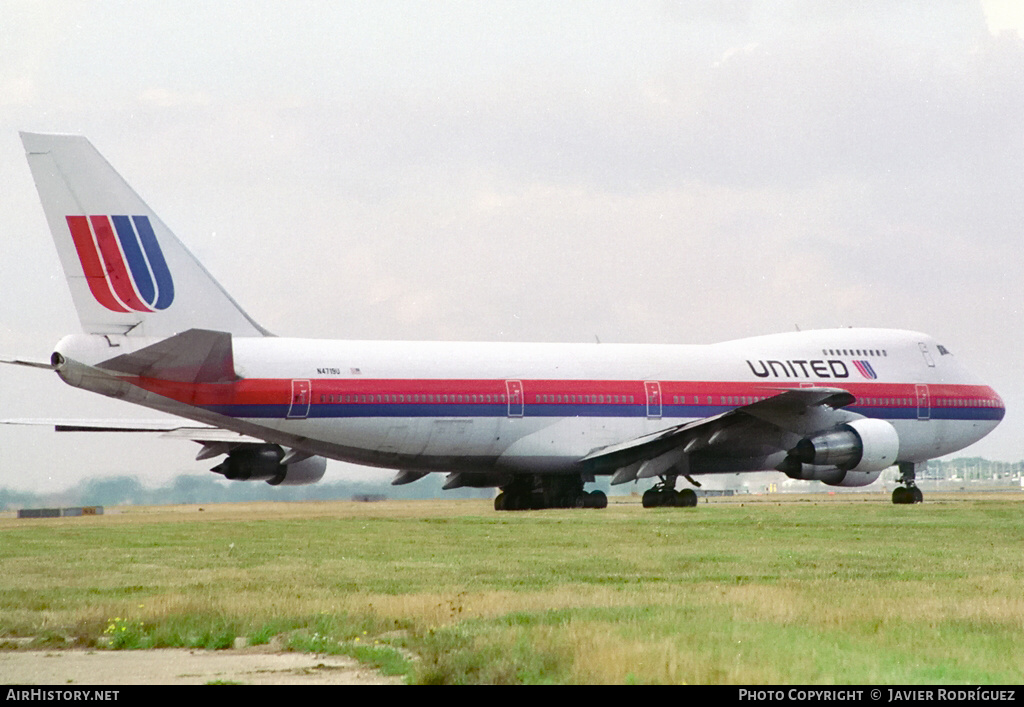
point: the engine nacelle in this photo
(262, 462)
(864, 445)
(307, 471)
(829, 475)
(856, 478)
(251, 463)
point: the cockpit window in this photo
(943, 351)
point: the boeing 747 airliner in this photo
(537, 421)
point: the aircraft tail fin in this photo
(127, 272)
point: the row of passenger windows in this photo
(855, 352)
(748, 400)
(413, 399)
(967, 402)
(722, 399)
(885, 401)
(627, 399)
(939, 402)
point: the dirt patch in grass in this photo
(184, 667)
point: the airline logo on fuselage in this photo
(809, 368)
(122, 262)
(799, 368)
(865, 369)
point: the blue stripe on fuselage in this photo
(372, 410)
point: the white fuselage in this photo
(540, 408)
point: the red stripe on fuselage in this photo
(271, 391)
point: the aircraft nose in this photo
(990, 413)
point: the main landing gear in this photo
(534, 492)
(909, 493)
(664, 494)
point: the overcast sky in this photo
(667, 172)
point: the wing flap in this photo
(798, 409)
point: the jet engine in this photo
(861, 445)
(262, 462)
(853, 454)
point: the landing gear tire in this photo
(907, 495)
(538, 492)
(664, 494)
(515, 501)
(593, 499)
(655, 498)
(687, 498)
(668, 498)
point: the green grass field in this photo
(769, 590)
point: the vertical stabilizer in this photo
(127, 272)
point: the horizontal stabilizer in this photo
(168, 428)
(194, 356)
(69, 425)
(30, 364)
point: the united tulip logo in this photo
(123, 263)
(865, 369)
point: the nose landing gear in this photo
(909, 493)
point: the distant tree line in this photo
(974, 468)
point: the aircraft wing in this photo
(762, 424)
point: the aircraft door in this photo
(299, 407)
(653, 390)
(924, 407)
(515, 398)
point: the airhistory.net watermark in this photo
(48, 695)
